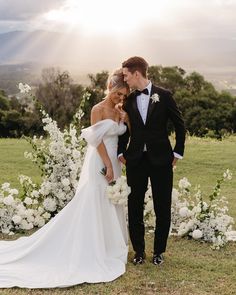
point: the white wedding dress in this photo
(86, 241)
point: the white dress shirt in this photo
(143, 102)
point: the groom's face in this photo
(129, 78)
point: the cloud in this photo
(23, 10)
(166, 19)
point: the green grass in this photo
(13, 163)
(191, 268)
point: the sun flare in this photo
(104, 16)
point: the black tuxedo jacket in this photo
(154, 132)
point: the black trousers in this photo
(161, 178)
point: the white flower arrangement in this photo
(202, 220)
(60, 159)
(193, 217)
(118, 190)
(155, 98)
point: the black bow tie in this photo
(145, 91)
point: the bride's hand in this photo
(109, 174)
(123, 115)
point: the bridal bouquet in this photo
(117, 190)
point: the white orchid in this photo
(24, 88)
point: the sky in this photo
(168, 18)
(132, 27)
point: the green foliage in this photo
(58, 96)
(96, 89)
(4, 103)
(171, 78)
(206, 111)
(16, 120)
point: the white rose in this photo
(16, 219)
(46, 215)
(28, 201)
(5, 186)
(39, 221)
(14, 191)
(5, 231)
(35, 194)
(183, 212)
(8, 200)
(183, 229)
(197, 234)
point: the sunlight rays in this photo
(107, 17)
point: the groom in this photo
(147, 153)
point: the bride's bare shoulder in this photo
(97, 112)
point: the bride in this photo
(87, 240)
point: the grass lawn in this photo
(191, 268)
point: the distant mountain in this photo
(96, 53)
(21, 47)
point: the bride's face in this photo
(118, 95)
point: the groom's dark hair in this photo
(136, 63)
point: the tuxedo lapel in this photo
(151, 104)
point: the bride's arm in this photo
(96, 116)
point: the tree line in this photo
(206, 111)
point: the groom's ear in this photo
(138, 74)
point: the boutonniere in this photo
(155, 98)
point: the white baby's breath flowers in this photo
(28, 201)
(227, 174)
(50, 204)
(184, 183)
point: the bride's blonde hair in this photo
(116, 81)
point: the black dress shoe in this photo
(139, 258)
(158, 259)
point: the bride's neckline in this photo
(111, 120)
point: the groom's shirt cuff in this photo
(120, 155)
(178, 156)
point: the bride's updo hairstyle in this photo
(116, 81)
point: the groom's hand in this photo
(122, 159)
(174, 162)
